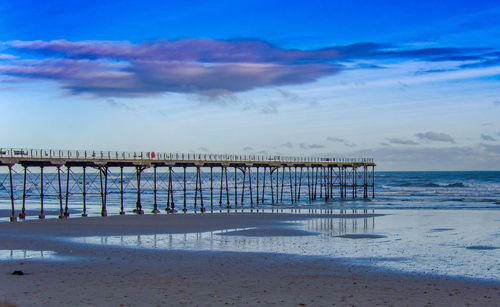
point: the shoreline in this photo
(100, 275)
(162, 223)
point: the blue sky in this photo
(414, 84)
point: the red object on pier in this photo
(333, 159)
(153, 155)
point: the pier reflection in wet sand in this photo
(24, 254)
(403, 240)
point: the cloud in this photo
(311, 146)
(341, 140)
(399, 141)
(247, 148)
(485, 157)
(496, 103)
(456, 58)
(200, 66)
(270, 108)
(313, 104)
(485, 62)
(206, 67)
(115, 104)
(335, 140)
(435, 137)
(287, 145)
(487, 138)
(434, 54)
(4, 56)
(288, 94)
(203, 149)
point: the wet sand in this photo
(111, 276)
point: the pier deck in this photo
(311, 178)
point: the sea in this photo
(393, 190)
(431, 223)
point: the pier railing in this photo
(158, 156)
(171, 175)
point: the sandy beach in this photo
(100, 275)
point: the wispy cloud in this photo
(248, 148)
(211, 68)
(119, 105)
(4, 56)
(483, 62)
(341, 140)
(435, 137)
(486, 156)
(399, 141)
(488, 138)
(287, 94)
(311, 146)
(287, 145)
(270, 108)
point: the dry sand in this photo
(109, 276)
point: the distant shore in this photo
(111, 276)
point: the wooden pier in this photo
(224, 179)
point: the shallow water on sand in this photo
(25, 254)
(463, 243)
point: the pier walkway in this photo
(228, 181)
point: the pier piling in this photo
(339, 178)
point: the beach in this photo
(109, 275)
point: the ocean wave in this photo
(432, 185)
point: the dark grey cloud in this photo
(488, 138)
(248, 148)
(435, 137)
(206, 67)
(311, 146)
(287, 145)
(496, 102)
(399, 141)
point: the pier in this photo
(177, 181)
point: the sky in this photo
(413, 84)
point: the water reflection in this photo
(432, 242)
(24, 254)
(283, 238)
